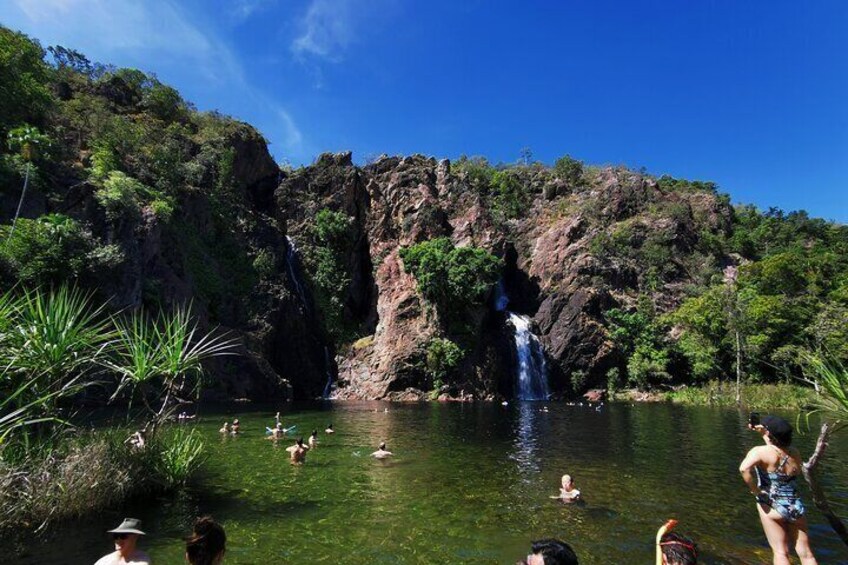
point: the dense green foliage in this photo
(452, 278)
(144, 151)
(326, 256)
(442, 359)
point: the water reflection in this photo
(526, 442)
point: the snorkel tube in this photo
(667, 527)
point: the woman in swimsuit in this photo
(771, 471)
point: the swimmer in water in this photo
(329, 429)
(277, 432)
(381, 452)
(225, 429)
(568, 493)
(313, 439)
(298, 452)
(235, 427)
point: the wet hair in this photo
(315, 432)
(678, 549)
(300, 441)
(206, 542)
(382, 445)
(329, 426)
(555, 552)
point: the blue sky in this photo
(751, 95)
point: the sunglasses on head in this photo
(120, 536)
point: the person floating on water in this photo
(771, 471)
(235, 428)
(568, 493)
(313, 439)
(381, 452)
(673, 548)
(298, 452)
(329, 429)
(225, 428)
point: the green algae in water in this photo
(469, 483)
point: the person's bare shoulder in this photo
(110, 559)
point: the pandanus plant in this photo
(164, 356)
(28, 140)
(49, 343)
(831, 379)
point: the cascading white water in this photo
(293, 268)
(329, 386)
(532, 378)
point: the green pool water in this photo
(470, 483)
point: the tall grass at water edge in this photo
(92, 471)
(754, 396)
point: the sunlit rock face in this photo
(558, 273)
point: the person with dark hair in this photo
(298, 452)
(207, 543)
(550, 552)
(771, 471)
(329, 429)
(677, 549)
(313, 439)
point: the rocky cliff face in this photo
(562, 265)
(246, 255)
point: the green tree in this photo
(452, 278)
(442, 359)
(24, 78)
(570, 170)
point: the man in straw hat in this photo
(126, 538)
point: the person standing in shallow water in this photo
(771, 471)
(568, 493)
(297, 452)
(126, 537)
(381, 452)
(313, 439)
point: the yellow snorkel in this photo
(667, 527)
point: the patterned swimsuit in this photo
(782, 491)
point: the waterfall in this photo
(293, 268)
(532, 377)
(328, 387)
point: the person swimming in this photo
(225, 429)
(381, 452)
(329, 429)
(568, 493)
(298, 452)
(276, 433)
(313, 439)
(235, 427)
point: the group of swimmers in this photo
(297, 452)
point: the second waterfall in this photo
(532, 369)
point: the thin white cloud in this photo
(294, 139)
(244, 9)
(325, 31)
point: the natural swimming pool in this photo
(469, 483)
